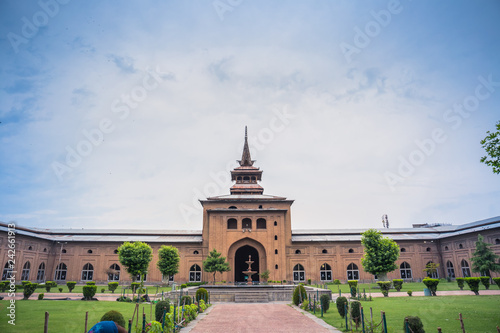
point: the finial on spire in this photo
(246, 160)
(245, 132)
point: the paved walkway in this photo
(257, 317)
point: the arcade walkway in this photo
(247, 318)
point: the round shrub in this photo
(71, 285)
(460, 283)
(497, 281)
(115, 316)
(398, 284)
(341, 302)
(385, 286)
(29, 289)
(159, 308)
(353, 284)
(473, 283)
(485, 280)
(356, 312)
(60, 289)
(201, 293)
(50, 284)
(431, 284)
(325, 302)
(186, 300)
(415, 324)
(3, 286)
(40, 296)
(409, 292)
(134, 286)
(336, 281)
(89, 292)
(299, 294)
(112, 286)
(183, 286)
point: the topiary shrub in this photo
(325, 302)
(341, 302)
(473, 283)
(71, 285)
(356, 312)
(460, 282)
(50, 284)
(103, 290)
(336, 281)
(485, 280)
(134, 286)
(409, 292)
(29, 289)
(299, 294)
(186, 300)
(415, 324)
(115, 316)
(309, 281)
(90, 283)
(398, 284)
(183, 286)
(112, 286)
(159, 308)
(431, 284)
(385, 286)
(25, 283)
(89, 292)
(201, 293)
(3, 286)
(497, 281)
(40, 296)
(60, 289)
(353, 284)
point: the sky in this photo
(125, 114)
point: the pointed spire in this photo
(246, 160)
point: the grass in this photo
(413, 286)
(64, 316)
(480, 313)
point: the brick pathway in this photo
(267, 317)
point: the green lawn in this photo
(413, 286)
(64, 316)
(480, 313)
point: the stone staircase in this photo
(251, 297)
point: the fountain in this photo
(249, 271)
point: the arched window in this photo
(247, 223)
(196, 252)
(276, 223)
(432, 270)
(246, 179)
(428, 249)
(30, 248)
(351, 251)
(261, 223)
(325, 272)
(465, 268)
(40, 276)
(403, 249)
(115, 251)
(299, 273)
(26, 271)
(460, 246)
(324, 251)
(449, 269)
(114, 273)
(45, 250)
(144, 279)
(64, 251)
(7, 272)
(87, 272)
(297, 252)
(405, 270)
(232, 224)
(89, 251)
(275, 237)
(352, 272)
(195, 273)
(276, 266)
(497, 241)
(260, 206)
(276, 251)
(446, 248)
(61, 271)
(232, 207)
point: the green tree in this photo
(380, 254)
(483, 259)
(215, 263)
(135, 257)
(168, 261)
(491, 143)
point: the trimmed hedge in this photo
(89, 292)
(299, 294)
(356, 312)
(134, 286)
(398, 284)
(115, 316)
(40, 296)
(497, 281)
(325, 302)
(460, 282)
(29, 289)
(485, 280)
(341, 302)
(415, 324)
(90, 283)
(201, 293)
(159, 308)
(385, 286)
(112, 286)
(187, 300)
(473, 283)
(431, 284)
(353, 284)
(71, 285)
(50, 284)
(336, 281)
(3, 286)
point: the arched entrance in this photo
(240, 265)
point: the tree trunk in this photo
(382, 277)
